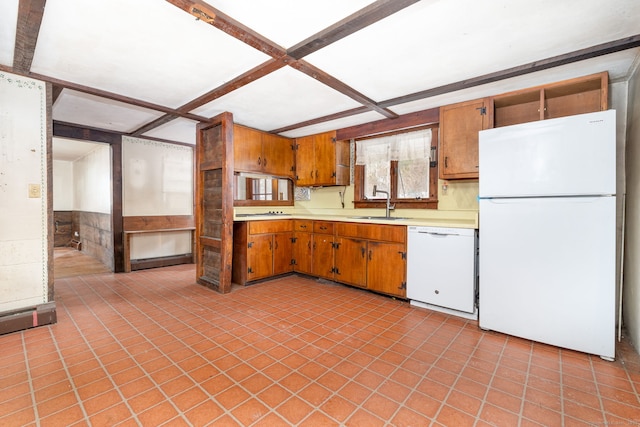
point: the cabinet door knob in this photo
(259, 161)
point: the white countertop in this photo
(461, 221)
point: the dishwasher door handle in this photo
(435, 234)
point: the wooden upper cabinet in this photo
(566, 98)
(459, 127)
(247, 149)
(278, 156)
(322, 160)
(460, 123)
(261, 152)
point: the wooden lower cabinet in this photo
(260, 256)
(302, 252)
(387, 268)
(261, 249)
(282, 250)
(384, 268)
(351, 261)
(365, 255)
(322, 256)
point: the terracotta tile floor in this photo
(152, 348)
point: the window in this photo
(403, 164)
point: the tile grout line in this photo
(595, 380)
(561, 387)
(524, 389)
(493, 376)
(30, 380)
(69, 376)
(451, 388)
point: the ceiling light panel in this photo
(180, 130)
(8, 17)
(279, 99)
(288, 22)
(92, 111)
(430, 43)
(146, 49)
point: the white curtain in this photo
(404, 146)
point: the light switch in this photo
(34, 191)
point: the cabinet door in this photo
(247, 149)
(459, 127)
(325, 158)
(351, 261)
(260, 256)
(387, 268)
(305, 164)
(322, 256)
(277, 155)
(302, 252)
(282, 253)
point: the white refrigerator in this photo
(547, 225)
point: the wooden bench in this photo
(156, 224)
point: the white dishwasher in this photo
(442, 269)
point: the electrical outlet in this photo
(34, 191)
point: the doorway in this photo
(83, 240)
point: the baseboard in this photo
(142, 264)
(28, 317)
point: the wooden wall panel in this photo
(214, 203)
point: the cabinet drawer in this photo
(386, 233)
(324, 227)
(275, 226)
(303, 225)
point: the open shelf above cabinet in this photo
(576, 96)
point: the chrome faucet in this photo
(389, 207)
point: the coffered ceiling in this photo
(155, 68)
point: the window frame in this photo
(361, 201)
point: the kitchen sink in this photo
(386, 218)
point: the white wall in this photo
(92, 181)
(62, 185)
(160, 244)
(631, 292)
(157, 180)
(23, 193)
